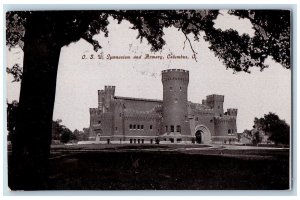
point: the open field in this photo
(167, 167)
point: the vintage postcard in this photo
(149, 99)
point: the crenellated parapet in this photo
(95, 111)
(175, 75)
(231, 112)
(214, 98)
(109, 89)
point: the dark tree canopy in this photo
(274, 127)
(237, 52)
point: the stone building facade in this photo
(173, 119)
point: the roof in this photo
(138, 99)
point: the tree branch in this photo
(188, 39)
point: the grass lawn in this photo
(166, 167)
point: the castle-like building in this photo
(173, 119)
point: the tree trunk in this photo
(31, 147)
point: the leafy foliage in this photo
(61, 132)
(277, 129)
(271, 127)
(272, 35)
(239, 53)
(16, 71)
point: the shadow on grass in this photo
(129, 168)
(166, 171)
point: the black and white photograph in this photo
(149, 99)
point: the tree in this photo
(61, 132)
(66, 135)
(12, 109)
(42, 34)
(256, 138)
(274, 127)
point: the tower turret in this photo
(175, 111)
(109, 93)
(215, 102)
(232, 112)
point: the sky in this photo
(78, 79)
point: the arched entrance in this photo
(199, 136)
(202, 134)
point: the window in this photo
(176, 100)
(134, 126)
(171, 88)
(180, 88)
(211, 120)
(116, 128)
(172, 128)
(219, 107)
(229, 131)
(197, 118)
(99, 122)
(166, 128)
(130, 126)
(178, 129)
(120, 114)
(150, 126)
(142, 126)
(138, 126)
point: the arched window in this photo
(172, 128)
(178, 129)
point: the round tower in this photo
(175, 112)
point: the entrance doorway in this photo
(199, 136)
(202, 135)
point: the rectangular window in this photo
(172, 128)
(130, 126)
(150, 126)
(134, 127)
(138, 126)
(178, 129)
(142, 126)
